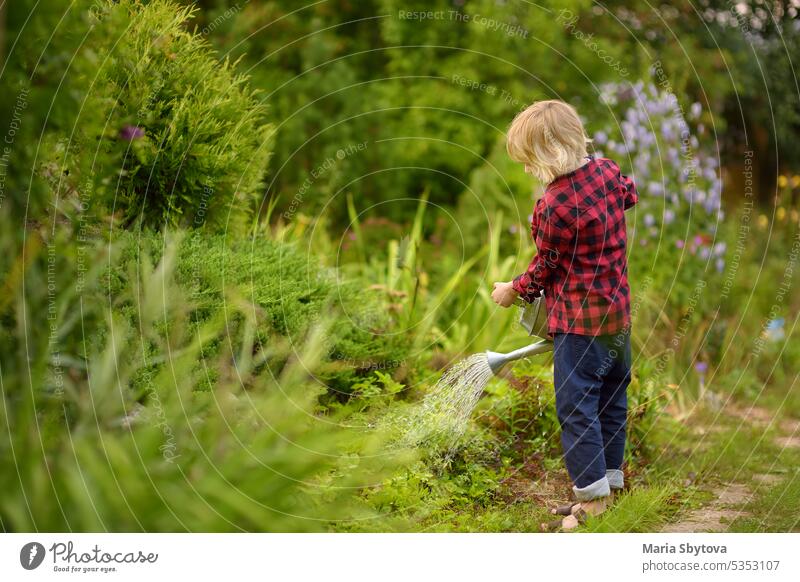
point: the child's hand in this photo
(504, 294)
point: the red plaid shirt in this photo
(579, 230)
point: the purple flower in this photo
(656, 189)
(667, 158)
(131, 132)
(710, 205)
(720, 264)
(701, 368)
(672, 156)
(667, 131)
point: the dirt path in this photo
(715, 516)
(731, 498)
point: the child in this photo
(579, 229)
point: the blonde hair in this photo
(549, 138)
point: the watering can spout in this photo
(497, 360)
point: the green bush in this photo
(132, 114)
(271, 293)
(522, 410)
(189, 138)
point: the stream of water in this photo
(444, 413)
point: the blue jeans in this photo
(591, 376)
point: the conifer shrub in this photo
(189, 140)
(132, 114)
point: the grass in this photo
(517, 517)
(774, 508)
(643, 509)
(737, 451)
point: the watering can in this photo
(532, 317)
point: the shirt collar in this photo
(589, 159)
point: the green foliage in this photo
(442, 480)
(270, 296)
(188, 137)
(142, 118)
(218, 382)
(103, 455)
(522, 411)
(345, 73)
(439, 298)
(38, 102)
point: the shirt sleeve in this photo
(554, 237)
(631, 196)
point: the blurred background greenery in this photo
(239, 237)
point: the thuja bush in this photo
(183, 140)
